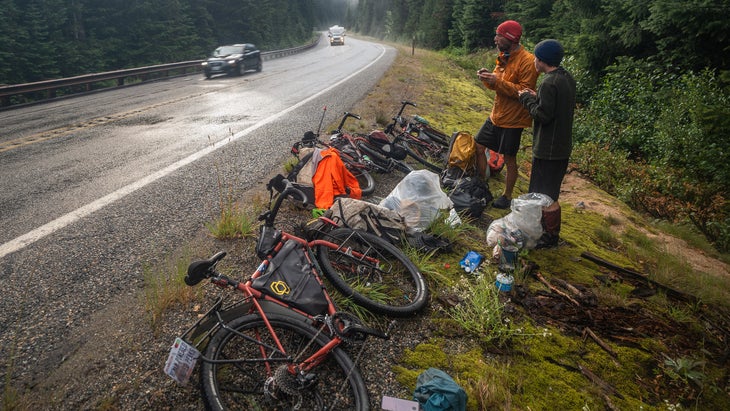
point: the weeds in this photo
(11, 399)
(233, 222)
(480, 312)
(165, 288)
(685, 370)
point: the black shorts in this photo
(547, 176)
(502, 140)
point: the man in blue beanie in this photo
(551, 109)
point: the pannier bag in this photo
(289, 278)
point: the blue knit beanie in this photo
(550, 52)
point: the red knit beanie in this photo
(511, 30)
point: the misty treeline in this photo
(45, 39)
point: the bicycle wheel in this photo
(385, 281)
(250, 374)
(433, 160)
(366, 181)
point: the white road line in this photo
(81, 212)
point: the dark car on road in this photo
(234, 59)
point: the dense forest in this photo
(653, 124)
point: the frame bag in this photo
(289, 278)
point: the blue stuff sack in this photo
(437, 391)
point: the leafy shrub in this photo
(658, 141)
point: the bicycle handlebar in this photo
(391, 126)
(269, 216)
(344, 118)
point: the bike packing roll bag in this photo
(462, 152)
(380, 141)
(361, 215)
(289, 278)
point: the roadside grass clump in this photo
(165, 288)
(235, 220)
(437, 275)
(480, 312)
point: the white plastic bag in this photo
(418, 198)
(526, 217)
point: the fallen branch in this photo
(555, 290)
(570, 287)
(678, 295)
(587, 332)
(606, 387)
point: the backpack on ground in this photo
(462, 152)
(470, 195)
(362, 215)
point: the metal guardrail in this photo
(50, 89)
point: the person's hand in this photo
(527, 91)
(487, 76)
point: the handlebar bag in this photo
(269, 237)
(289, 278)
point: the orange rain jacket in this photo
(518, 73)
(332, 180)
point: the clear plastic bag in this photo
(418, 198)
(526, 217)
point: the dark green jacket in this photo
(552, 113)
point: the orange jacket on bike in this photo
(332, 180)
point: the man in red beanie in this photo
(502, 130)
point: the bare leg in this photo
(510, 177)
(481, 162)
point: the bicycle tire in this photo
(364, 179)
(394, 287)
(436, 136)
(383, 162)
(423, 156)
(242, 385)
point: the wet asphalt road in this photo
(94, 187)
